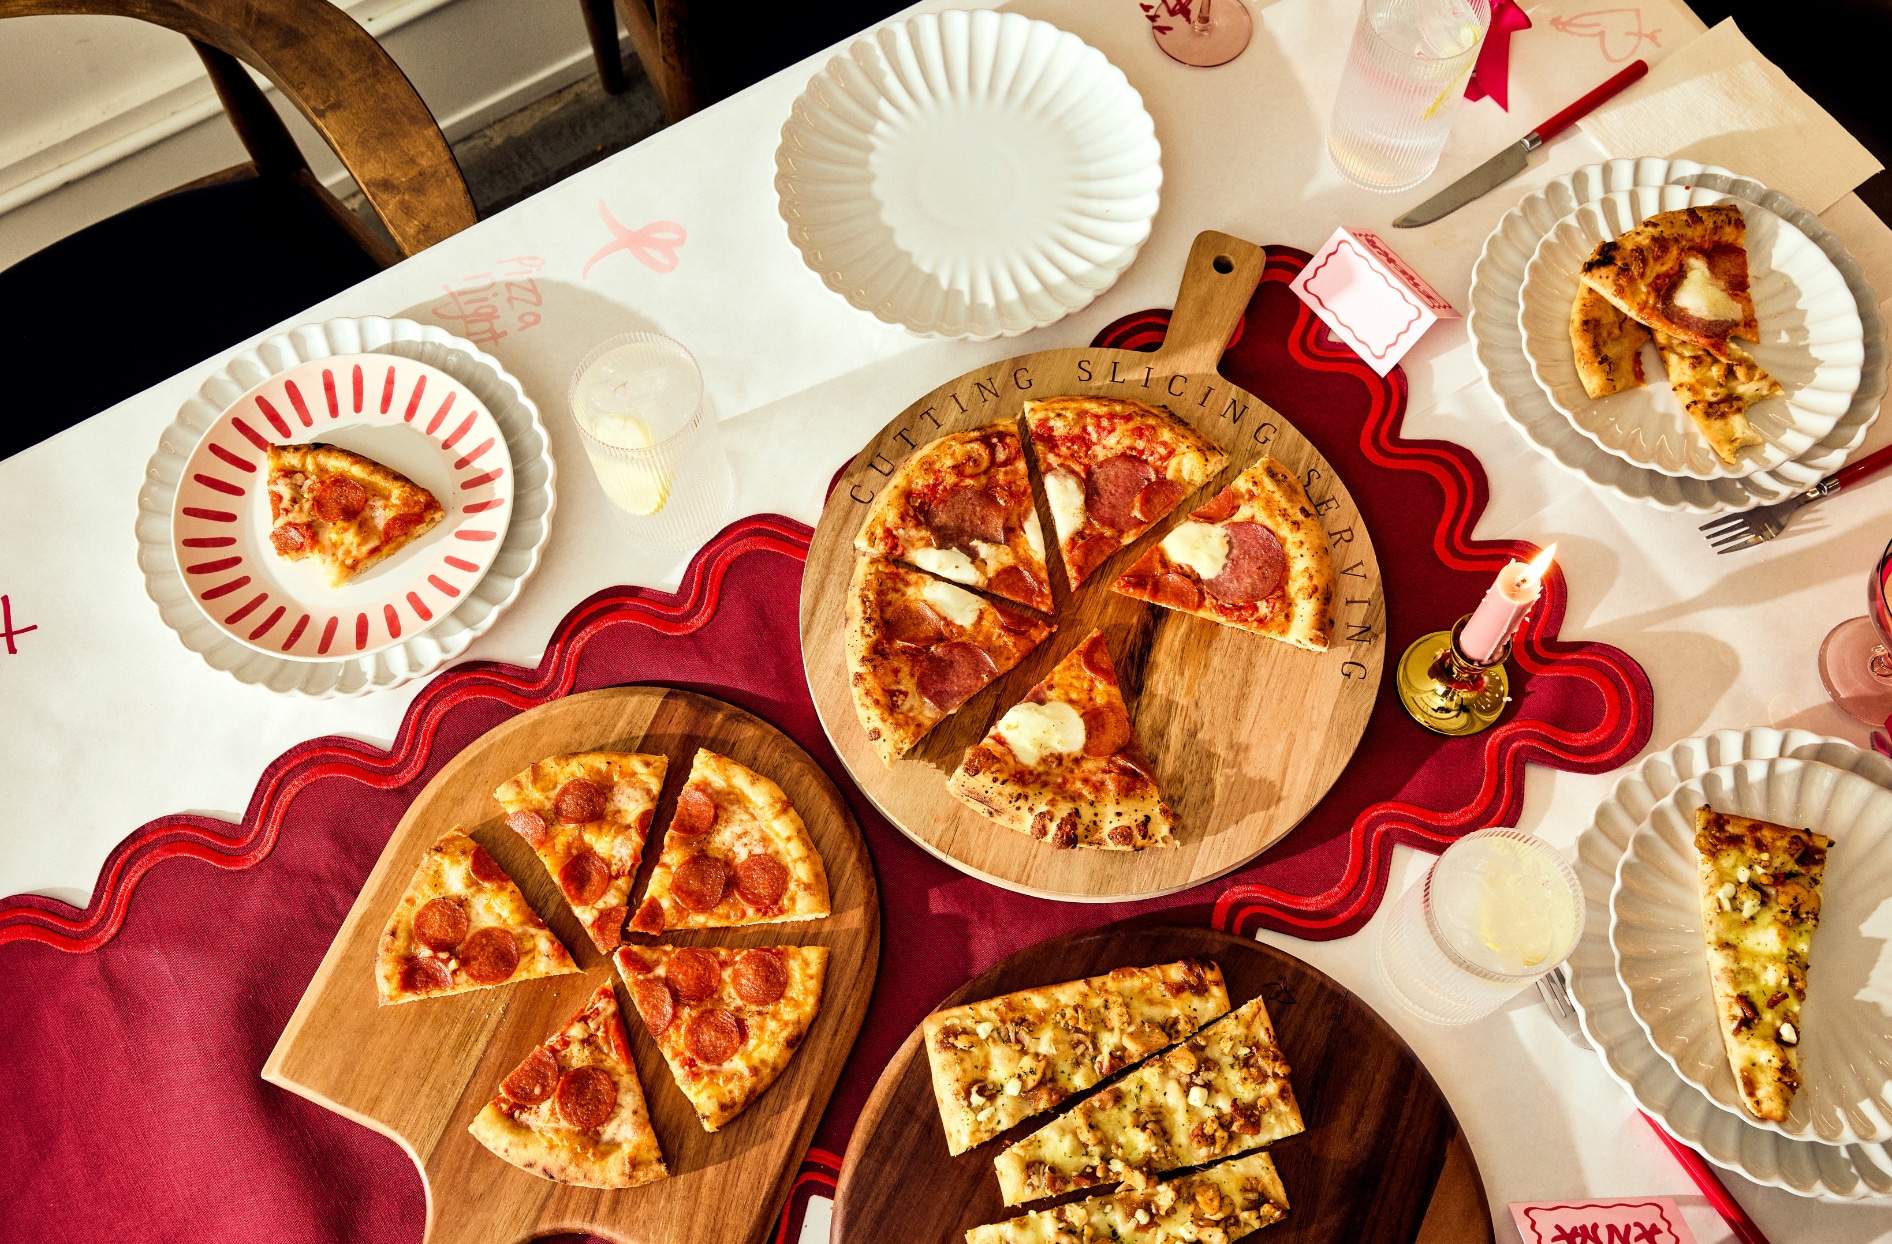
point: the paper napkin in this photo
(1645, 1220)
(1719, 101)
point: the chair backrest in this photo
(334, 72)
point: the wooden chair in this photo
(664, 40)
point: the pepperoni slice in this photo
(1158, 497)
(913, 623)
(712, 1036)
(694, 974)
(587, 1096)
(1110, 491)
(534, 1080)
(759, 977)
(607, 928)
(654, 1002)
(584, 878)
(700, 882)
(1177, 591)
(529, 825)
(580, 801)
(441, 924)
(338, 499)
(950, 673)
(1106, 730)
(761, 880)
(490, 955)
(1095, 655)
(649, 917)
(1012, 620)
(425, 976)
(1016, 583)
(967, 514)
(696, 812)
(1220, 506)
(293, 538)
(1089, 553)
(1256, 565)
(399, 525)
(486, 868)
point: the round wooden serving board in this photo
(1382, 1160)
(1246, 733)
(420, 1071)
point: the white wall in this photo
(100, 113)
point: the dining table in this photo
(113, 724)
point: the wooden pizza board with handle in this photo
(420, 1071)
(1246, 733)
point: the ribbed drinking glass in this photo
(1405, 74)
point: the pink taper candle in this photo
(1504, 607)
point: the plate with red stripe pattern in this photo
(397, 411)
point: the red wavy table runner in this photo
(143, 1113)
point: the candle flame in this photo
(1539, 567)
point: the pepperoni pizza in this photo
(573, 1111)
(1683, 273)
(727, 1021)
(961, 508)
(736, 853)
(1065, 766)
(462, 925)
(919, 647)
(346, 511)
(1112, 468)
(1254, 557)
(586, 814)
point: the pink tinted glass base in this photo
(1857, 670)
(1229, 29)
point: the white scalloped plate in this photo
(1846, 1028)
(1804, 1167)
(416, 654)
(969, 174)
(1811, 340)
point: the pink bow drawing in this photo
(655, 245)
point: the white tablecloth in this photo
(800, 380)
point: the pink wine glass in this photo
(1200, 32)
(1856, 656)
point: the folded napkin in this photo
(1719, 101)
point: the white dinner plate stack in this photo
(1822, 338)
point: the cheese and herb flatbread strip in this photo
(1760, 904)
(1005, 1059)
(1716, 392)
(1222, 1092)
(1608, 344)
(1216, 1206)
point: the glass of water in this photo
(1498, 910)
(1408, 68)
(652, 438)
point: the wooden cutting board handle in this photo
(1217, 283)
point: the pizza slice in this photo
(346, 511)
(573, 1111)
(727, 1021)
(1216, 1206)
(919, 647)
(1004, 1059)
(1113, 468)
(1254, 557)
(1716, 392)
(737, 853)
(1222, 1092)
(1065, 765)
(586, 814)
(1760, 902)
(1608, 344)
(463, 924)
(961, 508)
(1683, 273)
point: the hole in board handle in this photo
(1224, 264)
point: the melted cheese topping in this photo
(1202, 547)
(1031, 730)
(1224, 1203)
(955, 604)
(948, 564)
(1065, 492)
(1701, 296)
(1035, 534)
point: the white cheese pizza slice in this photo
(1216, 1206)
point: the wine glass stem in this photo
(1200, 19)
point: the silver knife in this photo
(1510, 162)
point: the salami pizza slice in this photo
(346, 511)
(586, 814)
(1254, 557)
(1608, 344)
(1112, 468)
(727, 1021)
(737, 853)
(961, 508)
(1065, 765)
(1683, 273)
(1214, 1206)
(463, 924)
(919, 647)
(573, 1111)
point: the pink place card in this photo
(1369, 297)
(1646, 1220)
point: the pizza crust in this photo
(1717, 392)
(1608, 344)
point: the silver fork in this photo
(1552, 988)
(1764, 522)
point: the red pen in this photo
(1711, 1187)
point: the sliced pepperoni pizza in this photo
(346, 511)
(727, 1021)
(919, 647)
(587, 814)
(736, 853)
(1254, 557)
(1683, 273)
(573, 1111)
(1065, 766)
(1112, 468)
(961, 508)
(462, 925)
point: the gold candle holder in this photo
(1446, 691)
